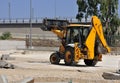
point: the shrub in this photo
(6, 35)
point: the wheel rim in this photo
(53, 59)
(68, 56)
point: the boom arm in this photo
(90, 41)
(59, 33)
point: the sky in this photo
(41, 8)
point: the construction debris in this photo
(4, 64)
(7, 57)
(111, 75)
(27, 80)
(3, 79)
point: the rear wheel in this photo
(90, 62)
(54, 58)
(69, 55)
(97, 51)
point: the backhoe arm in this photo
(90, 41)
(98, 27)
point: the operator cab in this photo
(77, 34)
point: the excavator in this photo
(78, 41)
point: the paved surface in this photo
(36, 64)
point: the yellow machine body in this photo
(88, 51)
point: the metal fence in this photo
(20, 20)
(113, 40)
(34, 20)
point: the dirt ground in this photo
(36, 64)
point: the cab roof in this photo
(79, 25)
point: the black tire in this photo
(93, 62)
(90, 62)
(54, 58)
(69, 56)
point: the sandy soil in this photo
(36, 64)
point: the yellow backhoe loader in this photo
(78, 41)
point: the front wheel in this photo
(69, 54)
(54, 58)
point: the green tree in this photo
(106, 10)
(87, 8)
(109, 15)
(82, 9)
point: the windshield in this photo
(77, 34)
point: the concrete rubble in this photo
(4, 64)
(111, 75)
(3, 79)
(27, 80)
(7, 57)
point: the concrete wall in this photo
(11, 44)
(37, 33)
(20, 30)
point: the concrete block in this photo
(11, 44)
(3, 79)
(7, 57)
(3, 64)
(118, 71)
(111, 76)
(6, 65)
(27, 80)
